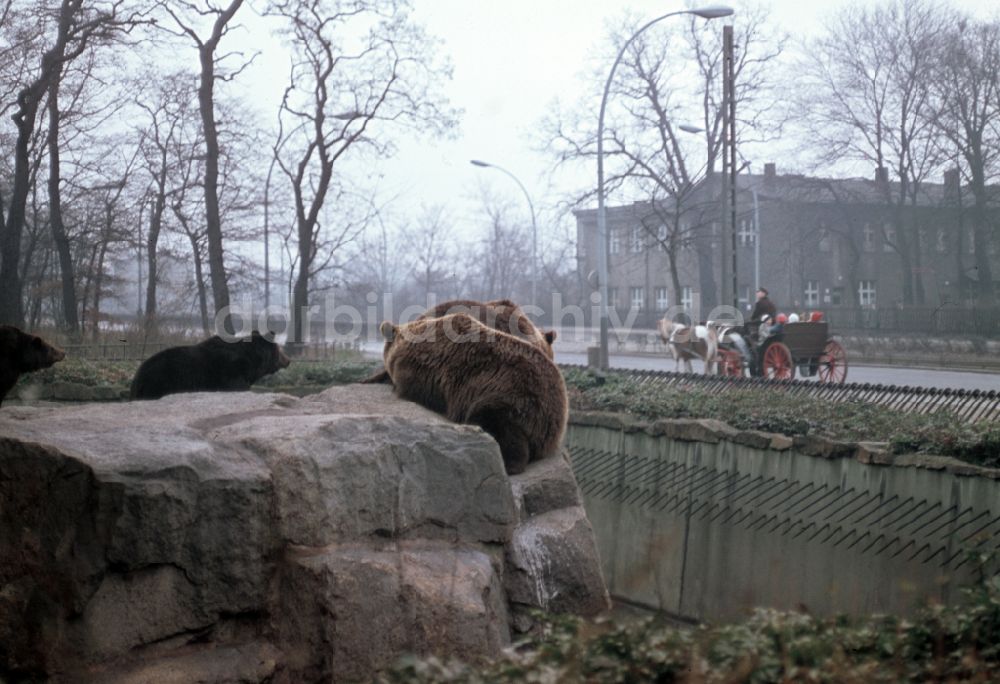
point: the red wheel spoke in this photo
(778, 362)
(833, 363)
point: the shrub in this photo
(119, 373)
(959, 643)
(773, 410)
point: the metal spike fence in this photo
(969, 406)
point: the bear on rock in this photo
(473, 373)
(23, 353)
(210, 366)
(500, 314)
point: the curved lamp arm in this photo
(712, 12)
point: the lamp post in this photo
(711, 12)
(756, 241)
(534, 226)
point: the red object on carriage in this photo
(776, 353)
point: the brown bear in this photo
(501, 314)
(472, 373)
(23, 353)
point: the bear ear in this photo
(550, 336)
(388, 331)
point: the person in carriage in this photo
(763, 308)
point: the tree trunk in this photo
(35, 302)
(981, 240)
(68, 277)
(155, 226)
(88, 281)
(199, 278)
(675, 276)
(917, 247)
(11, 310)
(213, 221)
(300, 292)
(98, 282)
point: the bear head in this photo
(27, 352)
(268, 356)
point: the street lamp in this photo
(710, 12)
(534, 227)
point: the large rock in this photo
(303, 538)
(548, 559)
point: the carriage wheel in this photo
(730, 363)
(833, 363)
(778, 362)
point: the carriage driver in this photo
(763, 308)
(763, 311)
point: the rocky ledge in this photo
(259, 537)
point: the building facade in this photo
(814, 243)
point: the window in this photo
(869, 238)
(942, 241)
(746, 233)
(687, 298)
(970, 239)
(812, 293)
(837, 296)
(662, 300)
(866, 293)
(637, 298)
(744, 300)
(635, 240)
(890, 238)
(612, 297)
(825, 241)
(615, 242)
(661, 236)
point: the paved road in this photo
(886, 375)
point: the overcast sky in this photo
(511, 59)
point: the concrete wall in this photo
(705, 522)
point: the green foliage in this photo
(959, 643)
(83, 372)
(319, 373)
(773, 410)
(119, 373)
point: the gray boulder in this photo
(295, 539)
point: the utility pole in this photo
(729, 135)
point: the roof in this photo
(797, 188)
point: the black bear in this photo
(23, 353)
(210, 366)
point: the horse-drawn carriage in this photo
(776, 351)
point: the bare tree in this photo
(430, 244)
(967, 114)
(184, 207)
(658, 88)
(77, 26)
(868, 95)
(186, 14)
(167, 110)
(498, 263)
(339, 97)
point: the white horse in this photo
(689, 342)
